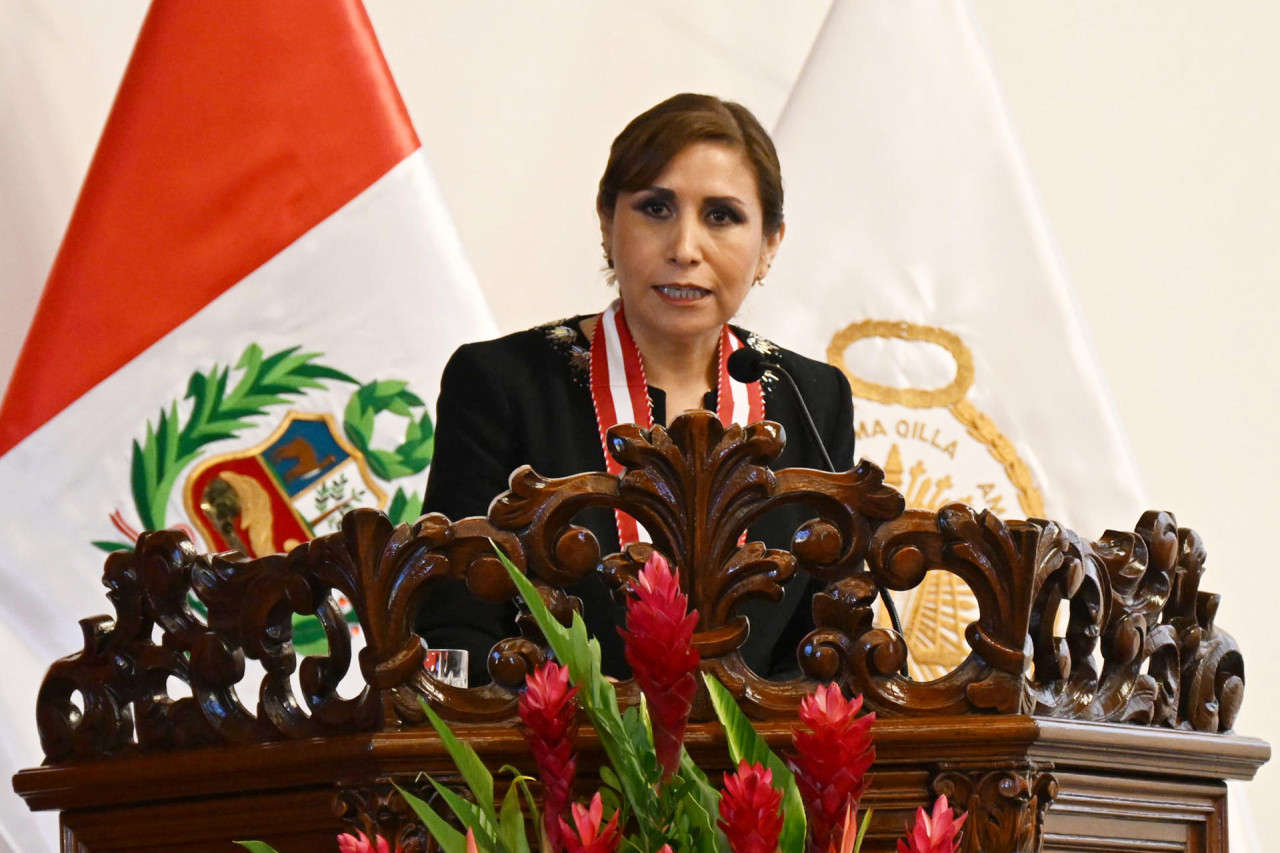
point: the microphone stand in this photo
(749, 368)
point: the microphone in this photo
(748, 365)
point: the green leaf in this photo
(319, 371)
(384, 459)
(449, 839)
(511, 823)
(387, 388)
(357, 423)
(140, 482)
(404, 507)
(412, 436)
(701, 794)
(250, 363)
(522, 782)
(609, 799)
(416, 453)
(746, 744)
(862, 831)
(169, 465)
(396, 463)
(639, 732)
(257, 846)
(609, 778)
(703, 834)
(473, 771)
(472, 815)
(108, 546)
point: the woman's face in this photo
(687, 249)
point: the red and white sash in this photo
(620, 392)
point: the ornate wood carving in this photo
(379, 810)
(1136, 642)
(1006, 805)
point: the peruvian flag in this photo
(242, 330)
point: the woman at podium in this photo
(690, 210)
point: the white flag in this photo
(919, 259)
(243, 331)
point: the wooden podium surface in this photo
(1092, 712)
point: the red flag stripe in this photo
(238, 127)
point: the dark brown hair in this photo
(656, 136)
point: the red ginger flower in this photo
(360, 843)
(831, 760)
(659, 648)
(939, 833)
(587, 835)
(549, 709)
(751, 810)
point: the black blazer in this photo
(525, 398)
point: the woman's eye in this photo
(655, 208)
(723, 216)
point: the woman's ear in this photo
(768, 250)
(606, 236)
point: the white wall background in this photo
(1152, 129)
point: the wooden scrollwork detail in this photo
(696, 488)
(1006, 805)
(1005, 564)
(1115, 629)
(380, 811)
(1140, 645)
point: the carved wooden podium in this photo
(1092, 712)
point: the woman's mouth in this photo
(682, 292)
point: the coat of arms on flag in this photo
(936, 447)
(267, 497)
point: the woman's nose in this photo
(686, 240)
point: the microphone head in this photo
(747, 364)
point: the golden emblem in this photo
(937, 448)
